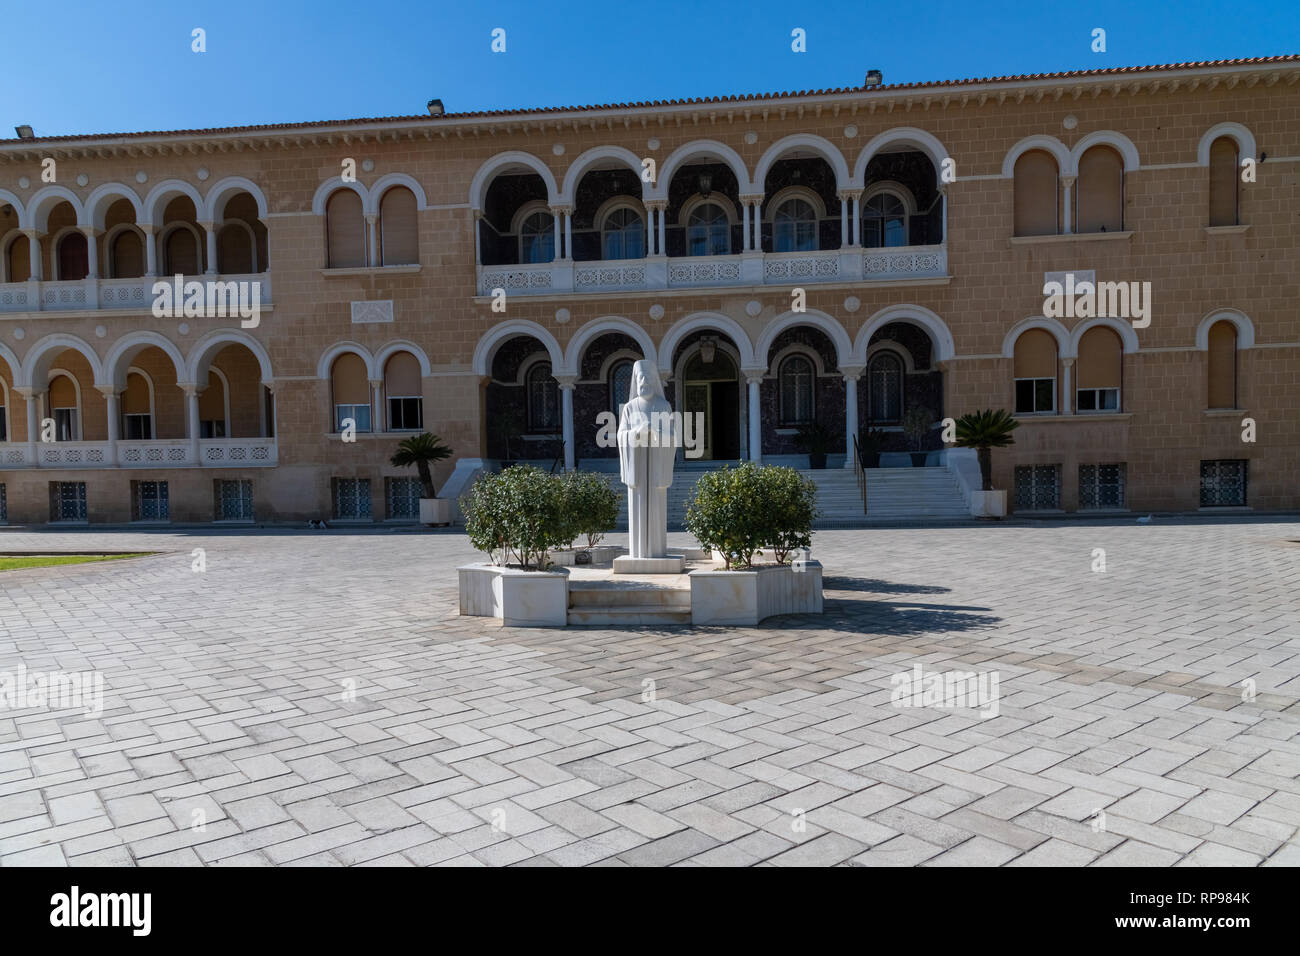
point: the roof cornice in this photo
(850, 102)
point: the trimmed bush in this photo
(593, 503)
(739, 511)
(520, 514)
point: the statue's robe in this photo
(646, 450)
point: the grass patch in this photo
(19, 562)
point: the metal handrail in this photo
(861, 473)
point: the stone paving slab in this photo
(313, 698)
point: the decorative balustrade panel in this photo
(64, 296)
(166, 453)
(14, 298)
(806, 267)
(74, 454)
(704, 271)
(528, 278)
(609, 275)
(905, 262)
(237, 452)
(91, 294)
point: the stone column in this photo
(943, 212)
(855, 214)
(150, 250)
(478, 237)
(192, 419)
(1067, 226)
(663, 229)
(372, 238)
(114, 420)
(851, 375)
(92, 251)
(1067, 401)
(376, 405)
(755, 378)
(568, 233)
(844, 220)
(31, 397)
(753, 232)
(34, 253)
(566, 383)
(210, 232)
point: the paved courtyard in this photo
(313, 698)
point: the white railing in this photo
(74, 454)
(901, 263)
(237, 452)
(905, 262)
(156, 453)
(14, 455)
(91, 294)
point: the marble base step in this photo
(629, 615)
(633, 594)
(673, 564)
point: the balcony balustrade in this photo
(151, 454)
(77, 295)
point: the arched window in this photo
(885, 388)
(345, 231)
(623, 235)
(399, 242)
(620, 385)
(402, 386)
(181, 252)
(212, 407)
(708, 231)
(537, 238)
(1034, 372)
(1223, 182)
(351, 389)
(18, 256)
(1037, 205)
(1099, 197)
(1222, 373)
(137, 409)
(794, 227)
(796, 378)
(1101, 363)
(64, 408)
(4, 411)
(126, 258)
(74, 261)
(543, 396)
(884, 221)
(236, 248)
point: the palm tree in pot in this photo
(916, 425)
(815, 439)
(423, 451)
(985, 431)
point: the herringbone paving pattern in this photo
(313, 698)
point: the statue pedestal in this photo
(673, 564)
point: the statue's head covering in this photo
(646, 369)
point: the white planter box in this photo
(988, 504)
(763, 556)
(435, 511)
(563, 559)
(516, 598)
(748, 597)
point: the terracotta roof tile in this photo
(651, 104)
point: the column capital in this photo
(852, 373)
(89, 231)
(848, 194)
(372, 218)
(206, 224)
(191, 389)
(269, 385)
(562, 209)
(1068, 181)
(110, 391)
(376, 383)
(1068, 361)
(478, 214)
(31, 232)
(566, 382)
(656, 204)
(754, 375)
(29, 393)
(751, 199)
(146, 227)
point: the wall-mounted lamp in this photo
(706, 184)
(708, 348)
(25, 132)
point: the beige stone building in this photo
(830, 260)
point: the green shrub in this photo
(593, 504)
(738, 511)
(521, 513)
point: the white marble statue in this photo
(647, 447)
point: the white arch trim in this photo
(10, 359)
(483, 178)
(701, 149)
(902, 135)
(1106, 137)
(1055, 326)
(402, 345)
(940, 334)
(814, 318)
(822, 147)
(41, 355)
(125, 350)
(579, 167)
(221, 192)
(104, 195)
(370, 202)
(705, 320)
(487, 345)
(163, 193)
(1050, 144)
(7, 197)
(331, 354)
(1245, 328)
(206, 348)
(597, 327)
(1245, 141)
(332, 185)
(38, 207)
(1128, 338)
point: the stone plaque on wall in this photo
(369, 313)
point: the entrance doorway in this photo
(712, 387)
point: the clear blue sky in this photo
(89, 66)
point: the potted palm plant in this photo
(870, 443)
(422, 451)
(916, 425)
(815, 439)
(985, 431)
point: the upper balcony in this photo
(803, 219)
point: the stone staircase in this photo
(892, 494)
(602, 604)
